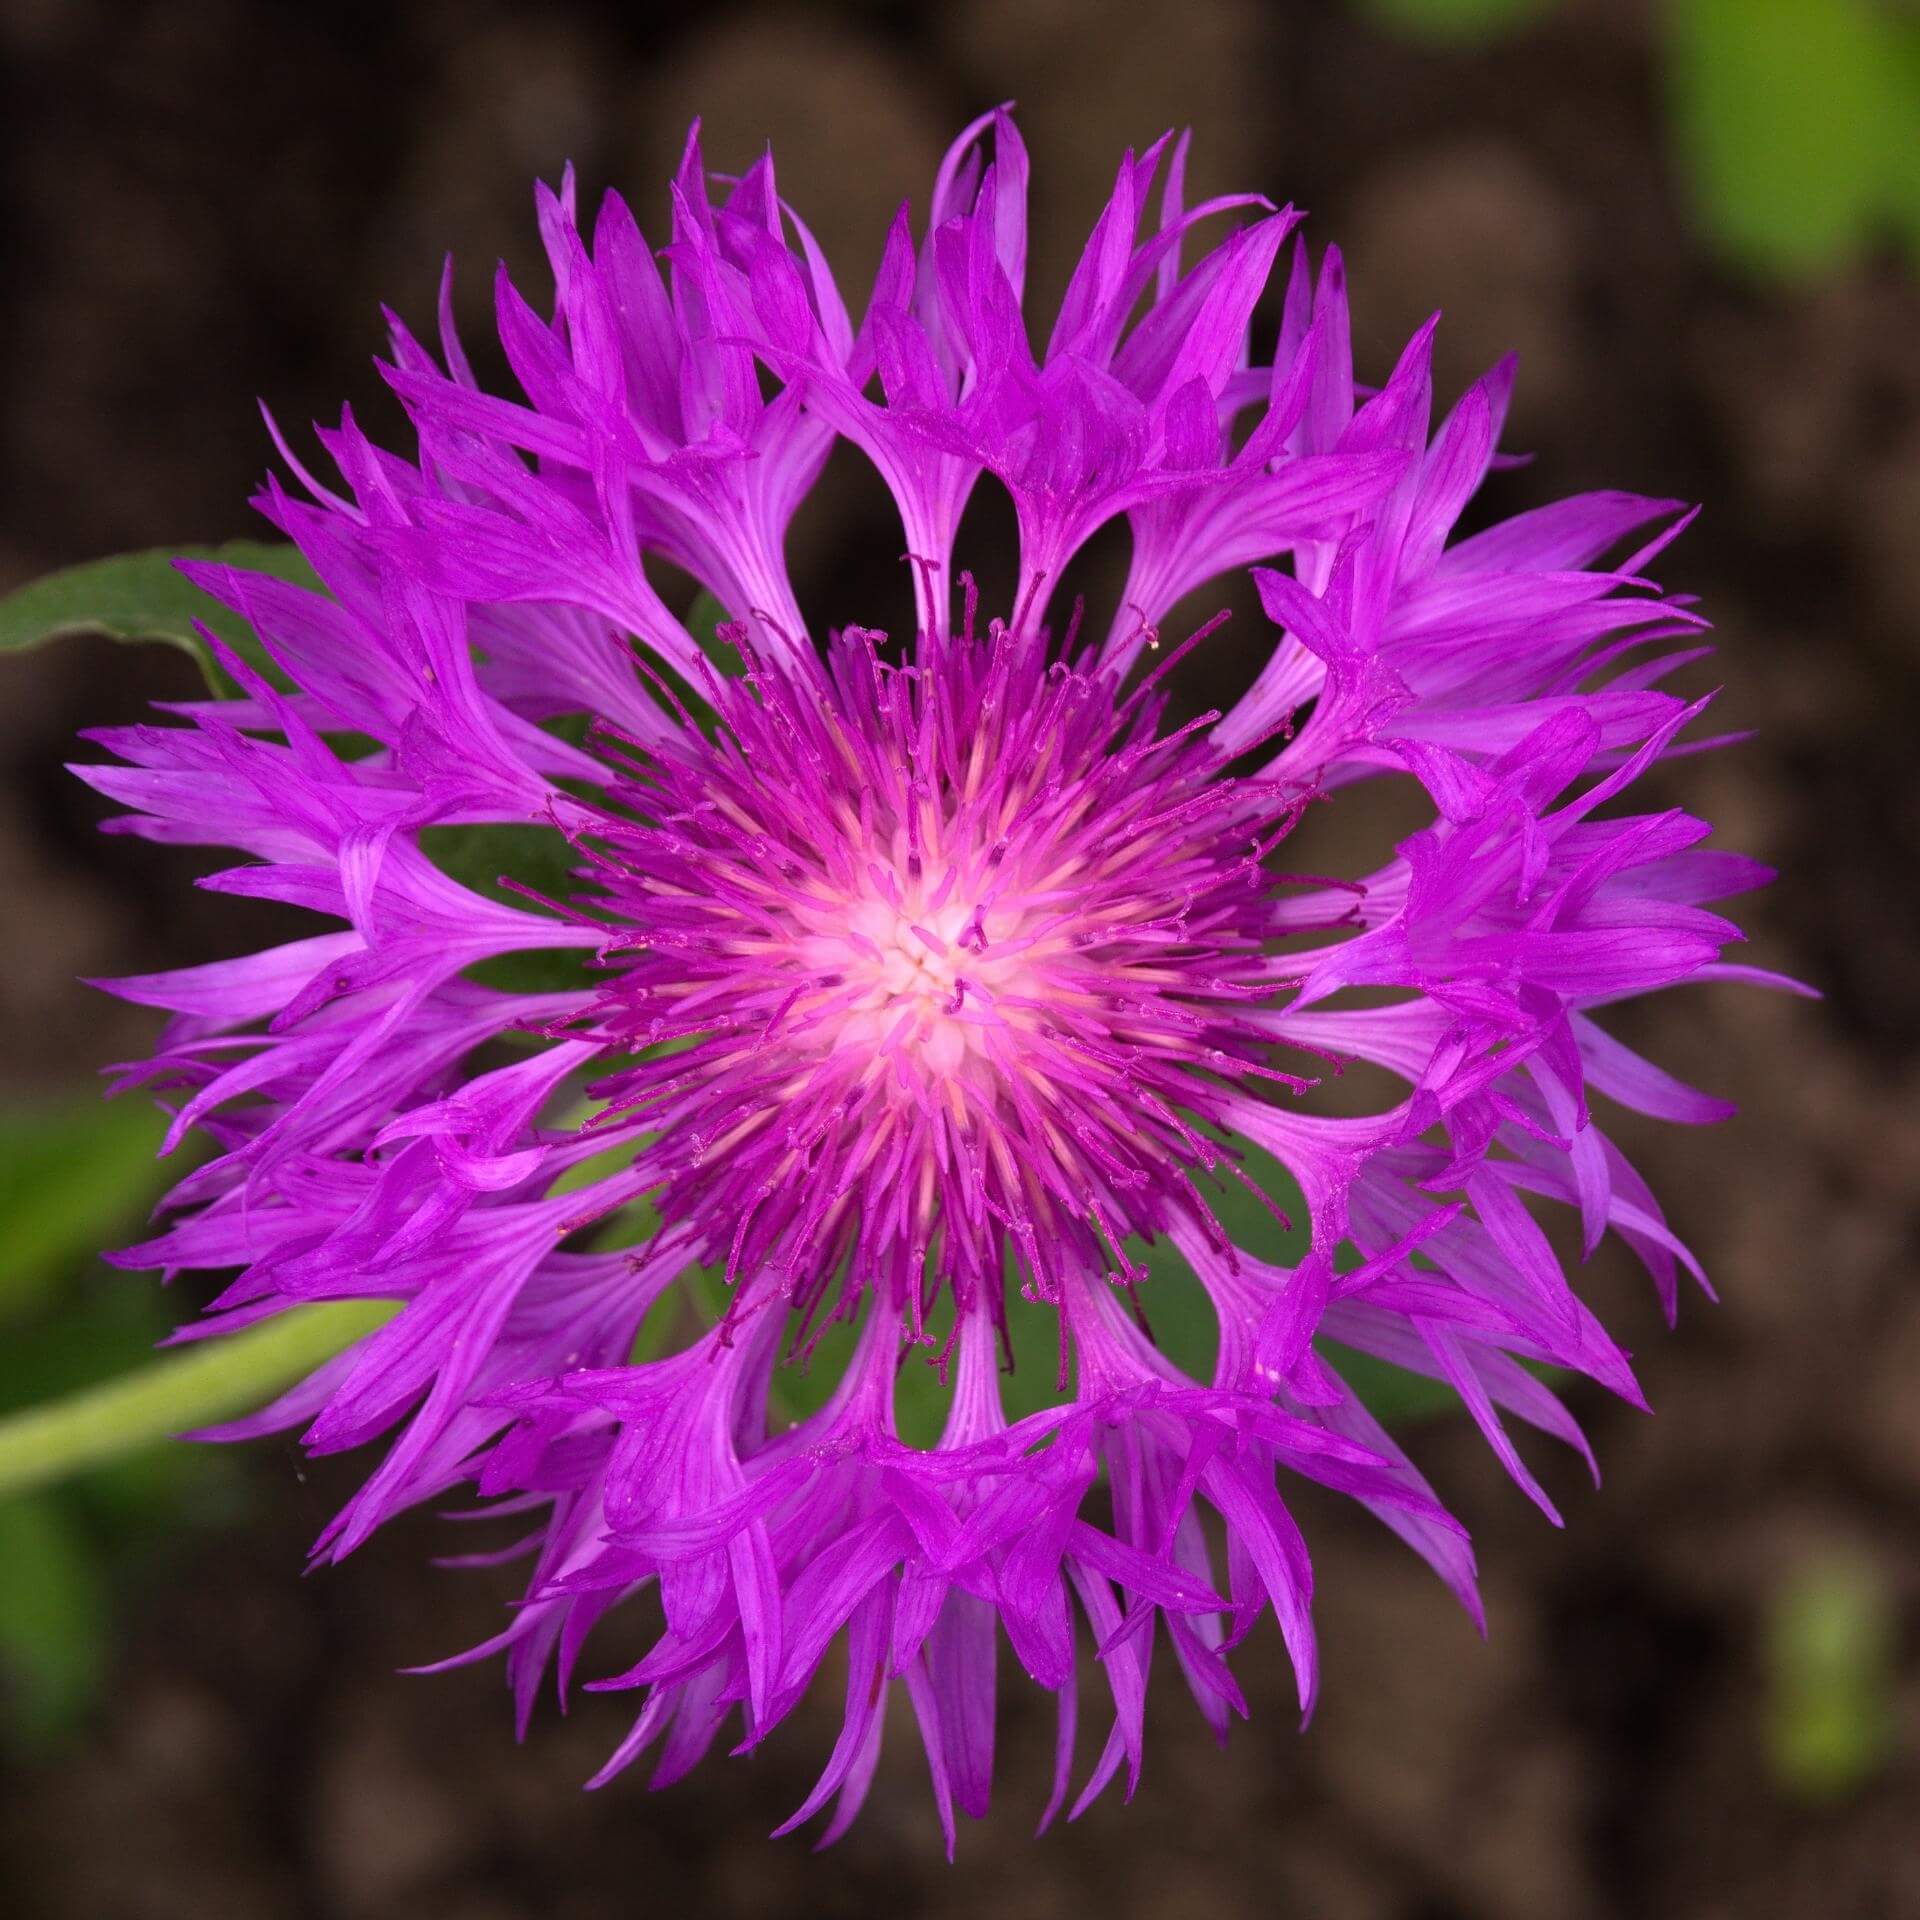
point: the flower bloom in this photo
(932, 1001)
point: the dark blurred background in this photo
(1703, 1698)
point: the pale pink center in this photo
(922, 968)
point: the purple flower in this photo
(934, 993)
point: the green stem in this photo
(207, 1383)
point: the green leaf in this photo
(193, 1388)
(143, 596)
(1903, 171)
(53, 1620)
(1455, 20)
(71, 1179)
(1795, 120)
(1831, 1678)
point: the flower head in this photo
(935, 995)
(954, 955)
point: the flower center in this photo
(961, 951)
(921, 967)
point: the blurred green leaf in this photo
(143, 596)
(147, 1495)
(72, 1177)
(1461, 20)
(97, 1325)
(45, 1444)
(1796, 120)
(53, 1620)
(65, 1550)
(1831, 1678)
(1903, 174)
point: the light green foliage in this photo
(1830, 1678)
(1799, 124)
